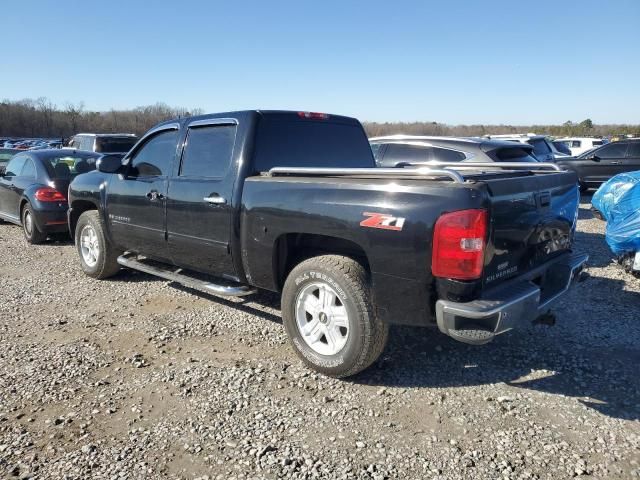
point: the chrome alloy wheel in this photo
(89, 246)
(28, 223)
(322, 318)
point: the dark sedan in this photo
(33, 189)
(596, 166)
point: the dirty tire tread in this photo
(375, 333)
(108, 262)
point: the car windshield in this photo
(115, 144)
(68, 166)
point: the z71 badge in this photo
(383, 221)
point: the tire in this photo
(98, 258)
(329, 297)
(32, 233)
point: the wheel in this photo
(31, 232)
(329, 317)
(98, 258)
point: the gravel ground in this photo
(135, 378)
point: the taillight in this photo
(313, 115)
(459, 239)
(48, 194)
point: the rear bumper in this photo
(519, 301)
(51, 221)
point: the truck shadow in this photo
(594, 367)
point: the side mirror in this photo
(109, 163)
(594, 158)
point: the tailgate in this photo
(532, 220)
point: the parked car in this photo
(394, 150)
(111, 143)
(579, 145)
(562, 147)
(292, 202)
(543, 148)
(598, 165)
(33, 189)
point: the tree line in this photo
(567, 129)
(42, 118)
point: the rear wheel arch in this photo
(78, 208)
(23, 203)
(290, 249)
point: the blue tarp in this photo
(619, 202)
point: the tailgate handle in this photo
(544, 199)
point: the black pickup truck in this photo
(291, 202)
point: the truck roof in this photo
(108, 134)
(285, 114)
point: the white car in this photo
(579, 145)
(543, 148)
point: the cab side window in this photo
(447, 155)
(86, 143)
(613, 150)
(14, 167)
(398, 153)
(208, 151)
(634, 149)
(155, 156)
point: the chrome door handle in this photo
(154, 195)
(615, 163)
(215, 200)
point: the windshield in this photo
(68, 166)
(115, 144)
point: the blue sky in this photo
(449, 61)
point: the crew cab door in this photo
(199, 210)
(136, 200)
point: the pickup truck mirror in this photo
(109, 163)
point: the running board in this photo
(131, 261)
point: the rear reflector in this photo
(48, 194)
(459, 240)
(313, 115)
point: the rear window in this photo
(540, 146)
(513, 155)
(308, 143)
(68, 166)
(115, 144)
